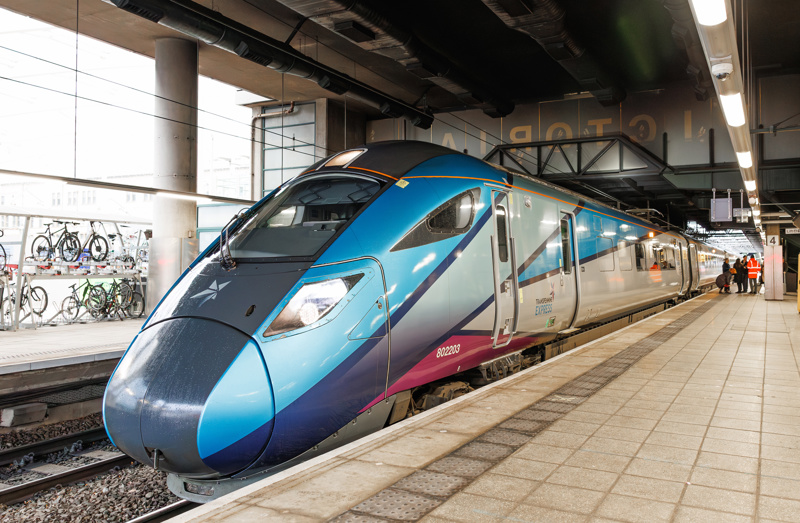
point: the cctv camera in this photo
(722, 70)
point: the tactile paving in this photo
(352, 517)
(522, 425)
(560, 404)
(578, 390)
(433, 483)
(505, 437)
(457, 466)
(414, 496)
(484, 451)
(397, 504)
(535, 414)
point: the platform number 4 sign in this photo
(773, 241)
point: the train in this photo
(320, 311)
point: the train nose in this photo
(191, 396)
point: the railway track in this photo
(23, 491)
(52, 445)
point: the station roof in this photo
(451, 55)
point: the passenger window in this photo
(660, 258)
(605, 253)
(566, 248)
(625, 262)
(669, 258)
(502, 234)
(450, 219)
(641, 263)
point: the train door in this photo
(504, 263)
(569, 277)
(685, 271)
(693, 267)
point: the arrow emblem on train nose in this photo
(210, 293)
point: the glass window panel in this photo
(302, 217)
(625, 256)
(566, 247)
(502, 234)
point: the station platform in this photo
(55, 346)
(690, 415)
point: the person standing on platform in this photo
(753, 268)
(740, 277)
(726, 271)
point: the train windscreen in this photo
(302, 217)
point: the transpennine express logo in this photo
(545, 305)
(210, 293)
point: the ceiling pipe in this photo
(718, 36)
(368, 28)
(212, 28)
(685, 36)
(544, 21)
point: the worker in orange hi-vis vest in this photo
(753, 268)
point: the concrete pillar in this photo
(257, 154)
(773, 264)
(174, 242)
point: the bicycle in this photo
(3, 257)
(135, 308)
(68, 244)
(142, 256)
(93, 298)
(123, 256)
(118, 298)
(33, 300)
(96, 243)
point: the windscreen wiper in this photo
(225, 259)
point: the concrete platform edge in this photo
(407, 423)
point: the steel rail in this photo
(49, 446)
(23, 491)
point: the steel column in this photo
(773, 264)
(174, 238)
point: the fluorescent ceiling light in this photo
(710, 12)
(745, 159)
(756, 212)
(733, 108)
(750, 185)
(190, 197)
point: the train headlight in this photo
(311, 303)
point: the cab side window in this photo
(450, 219)
(454, 216)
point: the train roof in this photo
(391, 158)
(395, 158)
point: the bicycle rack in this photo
(29, 270)
(5, 288)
